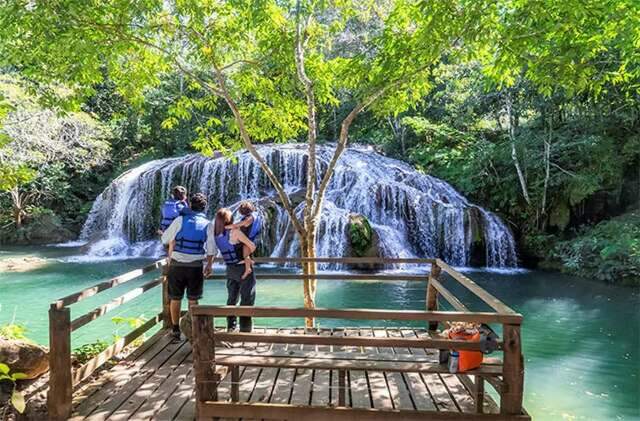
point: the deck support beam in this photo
(204, 359)
(513, 371)
(432, 294)
(166, 302)
(59, 397)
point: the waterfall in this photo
(412, 214)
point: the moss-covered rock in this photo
(361, 235)
(363, 240)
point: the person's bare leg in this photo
(174, 308)
(248, 263)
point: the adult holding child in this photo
(230, 242)
(190, 239)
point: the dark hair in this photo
(198, 202)
(224, 217)
(246, 208)
(179, 193)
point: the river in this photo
(581, 339)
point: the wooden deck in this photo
(156, 381)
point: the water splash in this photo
(413, 214)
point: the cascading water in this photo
(412, 214)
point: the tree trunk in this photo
(18, 204)
(309, 269)
(17, 217)
(514, 155)
(547, 173)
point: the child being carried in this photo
(250, 225)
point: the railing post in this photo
(166, 302)
(432, 293)
(60, 380)
(479, 394)
(512, 371)
(204, 359)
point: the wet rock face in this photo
(24, 357)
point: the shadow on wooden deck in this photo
(156, 381)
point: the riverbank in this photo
(580, 337)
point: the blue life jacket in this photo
(227, 250)
(255, 227)
(193, 234)
(170, 210)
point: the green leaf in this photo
(17, 400)
(4, 368)
(19, 376)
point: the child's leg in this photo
(248, 263)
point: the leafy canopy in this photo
(354, 52)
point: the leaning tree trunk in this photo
(309, 270)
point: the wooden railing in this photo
(62, 378)
(508, 382)
(510, 388)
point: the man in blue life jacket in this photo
(172, 208)
(190, 239)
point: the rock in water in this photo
(22, 264)
(24, 357)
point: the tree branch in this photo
(311, 120)
(244, 135)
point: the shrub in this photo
(13, 331)
(609, 251)
(87, 351)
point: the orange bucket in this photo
(468, 360)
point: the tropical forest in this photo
(398, 155)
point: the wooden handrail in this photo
(118, 280)
(448, 296)
(480, 292)
(392, 277)
(364, 341)
(347, 260)
(356, 314)
(100, 311)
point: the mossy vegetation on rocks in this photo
(361, 236)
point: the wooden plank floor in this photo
(156, 382)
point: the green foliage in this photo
(13, 331)
(360, 235)
(132, 323)
(609, 251)
(17, 398)
(87, 351)
(15, 176)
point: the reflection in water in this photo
(581, 339)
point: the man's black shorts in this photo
(185, 277)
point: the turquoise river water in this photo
(581, 339)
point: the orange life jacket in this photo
(467, 360)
